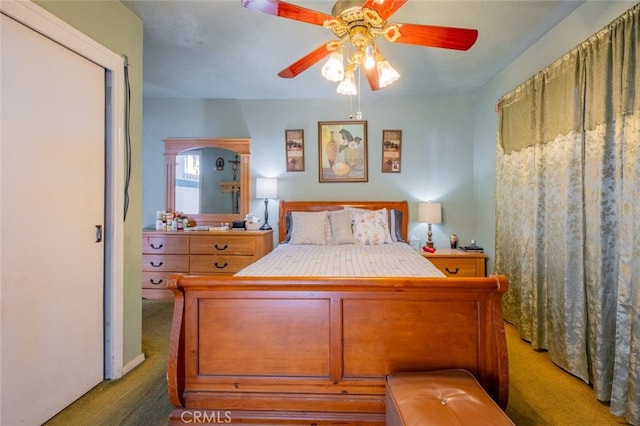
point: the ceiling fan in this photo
(356, 24)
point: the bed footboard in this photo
(316, 351)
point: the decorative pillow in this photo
(287, 223)
(392, 225)
(309, 228)
(341, 231)
(371, 226)
(395, 225)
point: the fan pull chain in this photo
(359, 113)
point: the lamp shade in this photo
(430, 212)
(387, 74)
(348, 84)
(266, 188)
(333, 70)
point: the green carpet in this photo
(138, 398)
(539, 392)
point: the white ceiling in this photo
(216, 49)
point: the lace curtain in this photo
(568, 212)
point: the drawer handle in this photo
(155, 282)
(221, 248)
(452, 272)
(154, 265)
(217, 265)
(153, 246)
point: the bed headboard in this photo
(316, 206)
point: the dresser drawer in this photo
(218, 264)
(165, 245)
(165, 262)
(156, 280)
(201, 253)
(456, 267)
(223, 245)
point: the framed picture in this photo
(391, 150)
(342, 151)
(294, 140)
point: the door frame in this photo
(47, 24)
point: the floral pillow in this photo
(371, 226)
(309, 228)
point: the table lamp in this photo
(429, 213)
(266, 188)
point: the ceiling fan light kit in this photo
(357, 24)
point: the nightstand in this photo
(458, 263)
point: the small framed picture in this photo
(391, 151)
(295, 150)
(342, 151)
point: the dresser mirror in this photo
(209, 180)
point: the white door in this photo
(52, 182)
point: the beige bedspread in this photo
(348, 260)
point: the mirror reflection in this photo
(207, 181)
(215, 178)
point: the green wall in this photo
(114, 26)
(437, 159)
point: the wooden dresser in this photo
(197, 253)
(458, 263)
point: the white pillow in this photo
(341, 231)
(371, 226)
(309, 227)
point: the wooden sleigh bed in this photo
(316, 350)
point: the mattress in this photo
(346, 260)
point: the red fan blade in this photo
(286, 10)
(372, 77)
(385, 8)
(433, 36)
(305, 62)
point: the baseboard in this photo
(133, 364)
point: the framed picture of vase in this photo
(342, 151)
(294, 140)
(391, 151)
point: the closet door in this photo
(52, 182)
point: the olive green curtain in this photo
(568, 212)
(533, 114)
